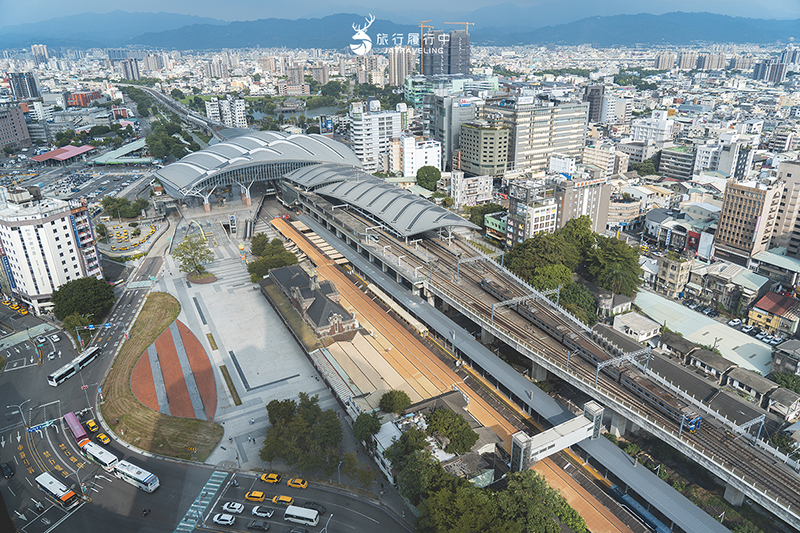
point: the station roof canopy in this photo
(63, 153)
(402, 211)
(250, 149)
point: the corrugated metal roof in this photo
(404, 212)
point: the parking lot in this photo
(736, 323)
(123, 237)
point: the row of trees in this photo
(66, 137)
(145, 105)
(163, 142)
(547, 261)
(271, 254)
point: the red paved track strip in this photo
(201, 368)
(177, 393)
(142, 383)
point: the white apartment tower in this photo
(45, 244)
(657, 128)
(401, 64)
(371, 132)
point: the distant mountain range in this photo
(517, 26)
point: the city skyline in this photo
(240, 10)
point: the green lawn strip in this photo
(231, 386)
(135, 423)
(211, 341)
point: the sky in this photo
(14, 12)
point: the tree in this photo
(541, 250)
(551, 276)
(428, 176)
(177, 151)
(102, 231)
(273, 257)
(88, 297)
(332, 88)
(258, 243)
(177, 94)
(400, 450)
(281, 411)
(157, 149)
(394, 401)
(787, 380)
(193, 253)
(578, 232)
(365, 426)
(614, 265)
(416, 476)
(72, 322)
(530, 502)
(464, 508)
(478, 212)
(453, 426)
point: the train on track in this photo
(577, 341)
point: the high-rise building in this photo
(538, 128)
(296, 75)
(593, 94)
(212, 109)
(216, 69)
(13, 131)
(232, 112)
(445, 53)
(747, 220)
(319, 72)
(371, 131)
(267, 64)
(484, 148)
(770, 70)
(786, 233)
(40, 55)
(45, 243)
(711, 61)
(401, 64)
(130, 69)
(664, 61)
(616, 110)
(153, 62)
(687, 60)
(23, 85)
(579, 196)
(448, 113)
(408, 154)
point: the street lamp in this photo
(325, 529)
(22, 414)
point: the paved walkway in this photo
(174, 376)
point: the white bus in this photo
(57, 491)
(70, 369)
(136, 476)
(96, 453)
(301, 515)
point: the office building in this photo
(657, 128)
(786, 233)
(677, 162)
(401, 64)
(407, 154)
(470, 190)
(319, 73)
(45, 243)
(747, 220)
(664, 61)
(13, 131)
(129, 69)
(583, 196)
(539, 128)
(531, 210)
(616, 110)
(593, 95)
(371, 131)
(23, 85)
(445, 53)
(447, 115)
(484, 148)
(605, 156)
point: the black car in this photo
(316, 506)
(6, 469)
(259, 525)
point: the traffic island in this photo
(136, 423)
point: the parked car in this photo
(224, 519)
(233, 507)
(748, 328)
(316, 506)
(761, 334)
(263, 512)
(260, 525)
(735, 322)
(297, 483)
(776, 340)
(714, 313)
(6, 469)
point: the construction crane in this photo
(421, 42)
(468, 24)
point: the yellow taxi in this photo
(255, 496)
(14, 306)
(283, 500)
(102, 437)
(22, 311)
(113, 247)
(297, 483)
(92, 425)
(271, 478)
(6, 302)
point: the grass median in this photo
(133, 422)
